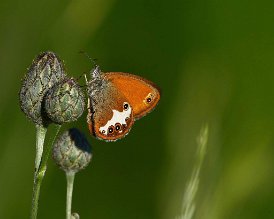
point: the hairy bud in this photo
(45, 71)
(71, 151)
(64, 102)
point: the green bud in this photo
(64, 102)
(45, 71)
(71, 151)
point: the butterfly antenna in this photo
(95, 72)
(87, 55)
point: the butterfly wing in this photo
(142, 94)
(110, 116)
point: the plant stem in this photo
(40, 169)
(70, 179)
(40, 138)
(35, 194)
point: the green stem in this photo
(40, 138)
(35, 194)
(70, 180)
(41, 167)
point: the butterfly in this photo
(116, 100)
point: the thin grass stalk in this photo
(188, 205)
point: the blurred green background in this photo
(214, 61)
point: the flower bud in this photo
(64, 102)
(71, 151)
(45, 71)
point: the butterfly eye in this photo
(126, 106)
(110, 130)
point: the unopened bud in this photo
(71, 151)
(45, 71)
(64, 102)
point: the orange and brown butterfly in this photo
(116, 100)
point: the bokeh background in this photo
(214, 61)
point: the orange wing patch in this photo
(142, 94)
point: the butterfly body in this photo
(116, 100)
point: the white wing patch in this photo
(118, 117)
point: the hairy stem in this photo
(40, 169)
(70, 180)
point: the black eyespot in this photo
(127, 118)
(148, 100)
(117, 127)
(125, 106)
(110, 130)
(103, 131)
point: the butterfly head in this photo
(95, 73)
